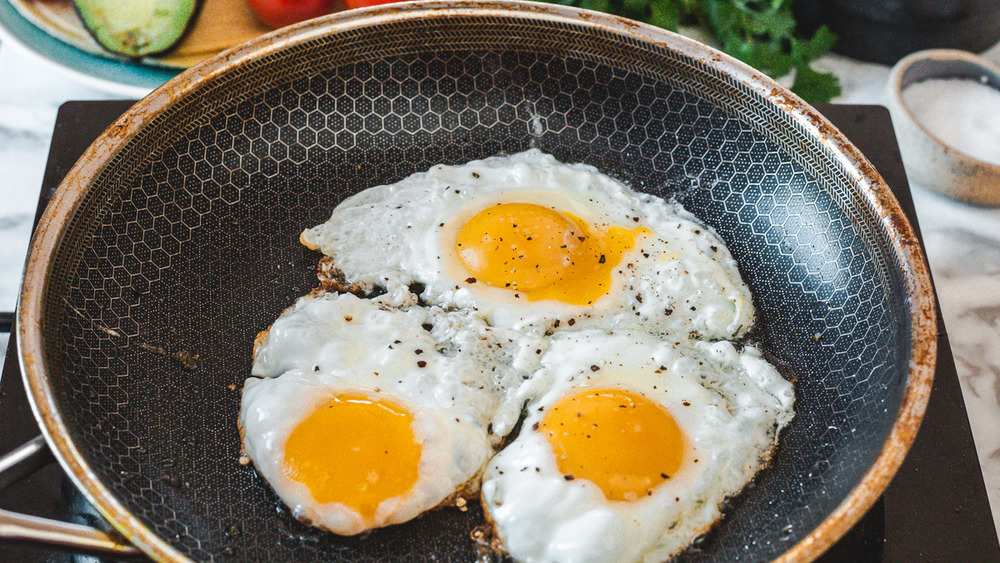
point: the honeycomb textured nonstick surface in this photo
(187, 242)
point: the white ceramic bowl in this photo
(929, 160)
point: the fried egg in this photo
(365, 415)
(517, 292)
(531, 243)
(630, 445)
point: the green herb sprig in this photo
(760, 33)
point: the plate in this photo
(52, 29)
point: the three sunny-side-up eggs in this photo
(604, 324)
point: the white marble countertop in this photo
(962, 242)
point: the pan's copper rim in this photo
(923, 338)
(74, 187)
(30, 334)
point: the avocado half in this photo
(137, 28)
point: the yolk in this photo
(621, 441)
(541, 253)
(356, 450)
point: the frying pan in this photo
(173, 241)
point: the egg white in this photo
(679, 280)
(470, 367)
(730, 405)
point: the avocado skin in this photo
(138, 28)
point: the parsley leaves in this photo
(760, 33)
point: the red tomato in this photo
(351, 4)
(279, 13)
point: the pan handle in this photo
(21, 528)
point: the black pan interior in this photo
(187, 242)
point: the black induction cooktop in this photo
(935, 509)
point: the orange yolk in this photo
(621, 441)
(541, 253)
(356, 450)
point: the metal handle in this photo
(14, 527)
(24, 461)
